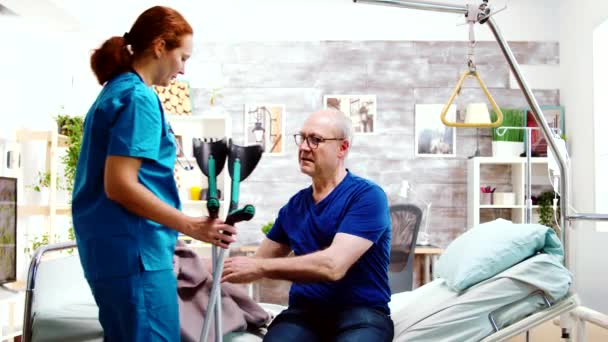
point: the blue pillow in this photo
(492, 247)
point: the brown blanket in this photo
(239, 311)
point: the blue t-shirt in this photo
(357, 207)
(125, 120)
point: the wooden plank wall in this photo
(401, 74)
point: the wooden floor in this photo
(549, 332)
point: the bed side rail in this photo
(581, 316)
(559, 307)
(31, 283)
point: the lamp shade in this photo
(477, 113)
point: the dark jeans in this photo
(350, 324)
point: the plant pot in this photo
(507, 149)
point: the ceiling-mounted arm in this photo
(420, 5)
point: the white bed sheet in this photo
(434, 312)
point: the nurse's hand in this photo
(210, 230)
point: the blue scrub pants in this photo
(350, 324)
(142, 307)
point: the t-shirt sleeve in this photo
(277, 232)
(137, 130)
(368, 217)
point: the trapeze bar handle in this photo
(456, 91)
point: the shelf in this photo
(513, 160)
(43, 210)
(190, 118)
(493, 206)
(26, 135)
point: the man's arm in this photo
(272, 249)
(330, 264)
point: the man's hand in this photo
(242, 269)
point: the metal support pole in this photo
(419, 5)
(544, 127)
(528, 175)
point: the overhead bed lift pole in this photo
(566, 217)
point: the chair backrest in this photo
(405, 220)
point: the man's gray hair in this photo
(344, 125)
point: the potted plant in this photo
(266, 227)
(509, 142)
(73, 130)
(545, 209)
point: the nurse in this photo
(125, 205)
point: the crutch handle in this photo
(246, 213)
(213, 207)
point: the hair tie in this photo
(126, 37)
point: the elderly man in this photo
(339, 229)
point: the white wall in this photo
(600, 88)
(578, 19)
(272, 20)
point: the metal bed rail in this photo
(28, 317)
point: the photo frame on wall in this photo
(431, 137)
(265, 125)
(362, 109)
(555, 117)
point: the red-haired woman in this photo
(126, 207)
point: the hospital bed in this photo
(60, 307)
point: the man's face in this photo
(316, 155)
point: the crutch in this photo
(211, 156)
(242, 161)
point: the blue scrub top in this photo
(126, 120)
(358, 207)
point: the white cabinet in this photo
(11, 313)
(186, 128)
(508, 176)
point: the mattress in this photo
(79, 323)
(434, 312)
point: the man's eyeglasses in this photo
(180, 152)
(311, 140)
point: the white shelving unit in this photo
(199, 126)
(516, 183)
(54, 142)
(11, 313)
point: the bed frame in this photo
(480, 12)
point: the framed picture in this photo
(362, 110)
(432, 138)
(555, 119)
(265, 125)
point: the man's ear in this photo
(344, 147)
(159, 47)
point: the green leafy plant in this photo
(545, 209)
(73, 130)
(62, 121)
(37, 242)
(266, 228)
(43, 180)
(511, 118)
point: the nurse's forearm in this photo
(137, 199)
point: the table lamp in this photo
(423, 235)
(477, 113)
